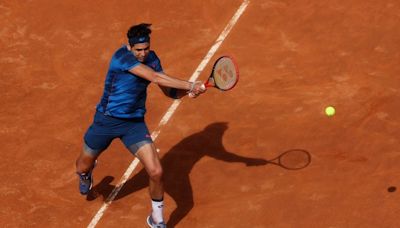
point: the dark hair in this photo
(137, 31)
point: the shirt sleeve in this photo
(123, 60)
(128, 62)
(157, 64)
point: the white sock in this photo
(157, 213)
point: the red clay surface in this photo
(295, 58)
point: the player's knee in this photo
(156, 173)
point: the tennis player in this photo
(121, 110)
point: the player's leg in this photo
(137, 139)
(84, 168)
(86, 160)
(97, 138)
(149, 157)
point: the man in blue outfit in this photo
(120, 113)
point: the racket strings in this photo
(225, 73)
(295, 159)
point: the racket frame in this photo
(306, 155)
(208, 82)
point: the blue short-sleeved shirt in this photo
(124, 93)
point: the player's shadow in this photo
(177, 164)
(103, 188)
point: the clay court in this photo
(296, 57)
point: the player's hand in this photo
(198, 88)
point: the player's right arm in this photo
(164, 80)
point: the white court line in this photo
(170, 112)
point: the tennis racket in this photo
(224, 74)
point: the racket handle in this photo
(202, 87)
(191, 95)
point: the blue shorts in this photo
(105, 128)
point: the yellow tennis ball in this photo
(330, 111)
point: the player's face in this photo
(141, 51)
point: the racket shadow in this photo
(178, 163)
(294, 159)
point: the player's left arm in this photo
(173, 93)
